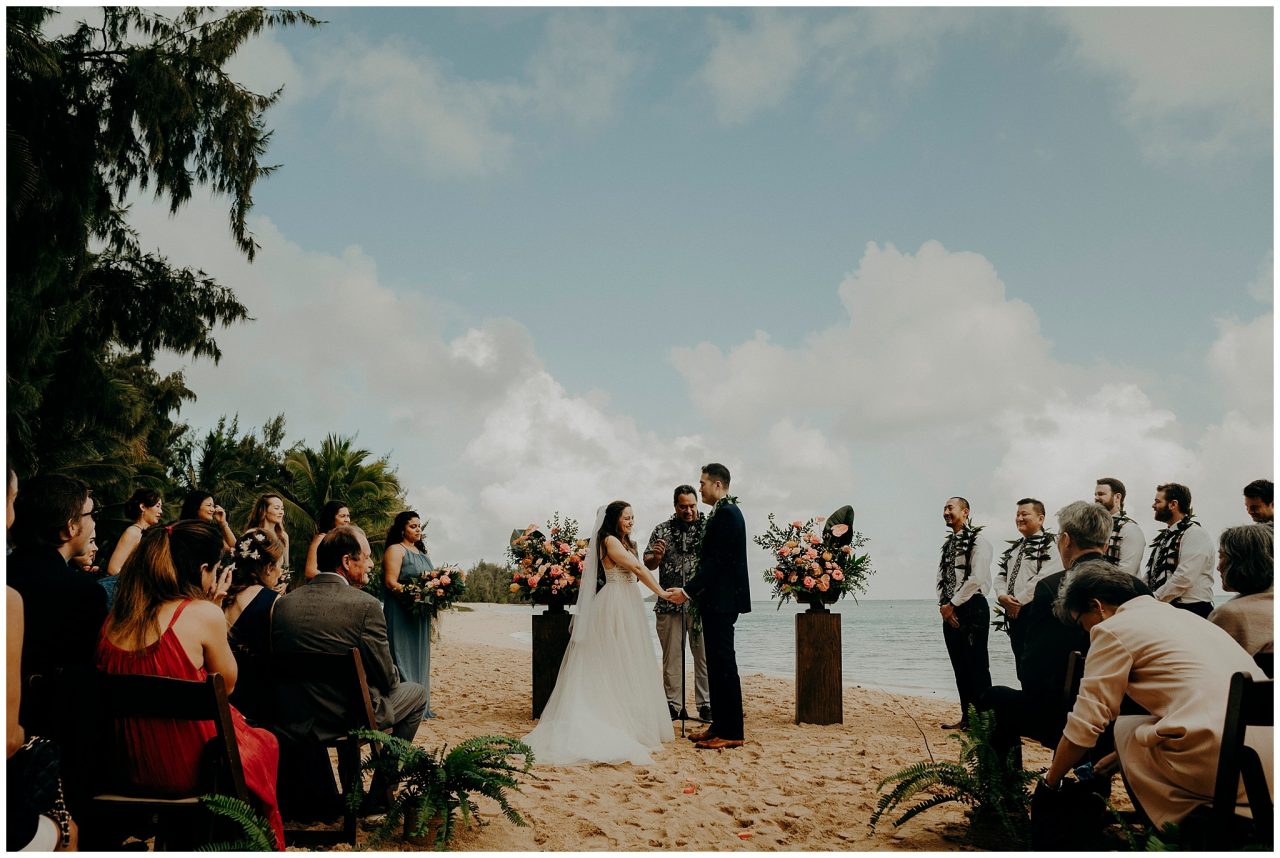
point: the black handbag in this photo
(1070, 818)
(35, 790)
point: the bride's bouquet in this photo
(431, 592)
(811, 562)
(548, 565)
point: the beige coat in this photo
(1178, 667)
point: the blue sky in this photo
(868, 256)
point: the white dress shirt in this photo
(1132, 544)
(1192, 581)
(979, 578)
(1024, 588)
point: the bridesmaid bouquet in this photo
(548, 565)
(428, 594)
(811, 562)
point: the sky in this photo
(544, 259)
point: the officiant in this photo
(673, 551)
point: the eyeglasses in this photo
(97, 511)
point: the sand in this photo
(790, 788)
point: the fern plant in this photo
(994, 787)
(441, 783)
(258, 835)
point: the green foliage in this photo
(140, 103)
(441, 783)
(491, 582)
(990, 785)
(258, 835)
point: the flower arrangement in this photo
(813, 562)
(548, 566)
(431, 592)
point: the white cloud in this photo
(1242, 363)
(1193, 83)
(753, 69)
(580, 69)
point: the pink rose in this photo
(838, 575)
(445, 580)
(784, 551)
(810, 554)
(778, 574)
(439, 592)
(533, 581)
(814, 539)
(554, 531)
(797, 524)
(808, 582)
(556, 571)
(840, 530)
(816, 568)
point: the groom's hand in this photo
(678, 596)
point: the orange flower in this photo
(838, 575)
(515, 588)
(778, 574)
(826, 555)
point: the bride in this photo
(608, 705)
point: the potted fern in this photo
(993, 786)
(435, 786)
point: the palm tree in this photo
(338, 470)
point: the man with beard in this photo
(964, 575)
(1180, 568)
(1127, 542)
(1259, 497)
(673, 551)
(1022, 565)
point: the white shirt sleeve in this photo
(1132, 544)
(1000, 586)
(1026, 589)
(1196, 557)
(980, 578)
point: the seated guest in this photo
(143, 509)
(1171, 663)
(334, 513)
(248, 610)
(167, 621)
(200, 504)
(1245, 564)
(63, 608)
(332, 614)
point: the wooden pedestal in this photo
(550, 640)
(818, 693)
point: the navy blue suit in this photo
(722, 591)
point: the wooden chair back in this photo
(1249, 704)
(1075, 672)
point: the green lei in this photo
(693, 611)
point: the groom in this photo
(721, 590)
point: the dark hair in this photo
(1177, 492)
(342, 541)
(1116, 487)
(1247, 553)
(258, 518)
(328, 515)
(1099, 580)
(254, 552)
(683, 489)
(191, 503)
(1035, 503)
(395, 533)
(609, 527)
(1263, 490)
(45, 506)
(165, 566)
(138, 500)
(963, 501)
(717, 471)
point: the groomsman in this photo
(1180, 568)
(1127, 542)
(1022, 565)
(1258, 502)
(672, 550)
(964, 575)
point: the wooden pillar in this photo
(550, 640)
(819, 697)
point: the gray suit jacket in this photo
(329, 615)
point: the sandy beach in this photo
(790, 788)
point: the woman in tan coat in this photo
(1175, 665)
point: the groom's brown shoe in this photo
(702, 735)
(718, 744)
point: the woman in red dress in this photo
(167, 621)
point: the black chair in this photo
(343, 672)
(177, 821)
(1266, 661)
(1249, 704)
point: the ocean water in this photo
(892, 645)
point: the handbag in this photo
(35, 790)
(1070, 818)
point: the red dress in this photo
(165, 755)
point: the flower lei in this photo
(1165, 549)
(1039, 545)
(1113, 545)
(956, 542)
(694, 613)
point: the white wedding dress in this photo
(608, 705)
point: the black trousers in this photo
(722, 675)
(1201, 609)
(1017, 640)
(967, 647)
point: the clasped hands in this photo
(675, 595)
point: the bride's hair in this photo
(609, 527)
